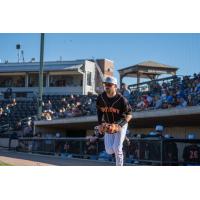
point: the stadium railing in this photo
(140, 151)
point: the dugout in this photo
(177, 122)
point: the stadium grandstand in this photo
(69, 109)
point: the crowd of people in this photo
(68, 106)
(178, 92)
(15, 116)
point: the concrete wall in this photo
(90, 67)
(49, 90)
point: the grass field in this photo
(4, 164)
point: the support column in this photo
(85, 89)
(47, 79)
(120, 81)
(26, 80)
(138, 79)
(83, 84)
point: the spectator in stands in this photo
(125, 91)
(67, 150)
(146, 103)
(197, 87)
(58, 144)
(181, 102)
(126, 147)
(165, 104)
(48, 105)
(157, 102)
(170, 99)
(7, 110)
(14, 102)
(88, 107)
(1, 112)
(64, 103)
(60, 113)
(72, 99)
(190, 100)
(68, 112)
(28, 130)
(159, 129)
(141, 104)
(170, 151)
(48, 116)
(91, 146)
(152, 148)
(18, 126)
(149, 100)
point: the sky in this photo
(125, 49)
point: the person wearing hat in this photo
(125, 91)
(153, 146)
(114, 112)
(159, 130)
(191, 152)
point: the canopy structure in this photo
(148, 69)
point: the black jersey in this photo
(111, 110)
(191, 153)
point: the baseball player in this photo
(114, 112)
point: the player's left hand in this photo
(113, 128)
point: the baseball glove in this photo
(110, 128)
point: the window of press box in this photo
(65, 80)
(12, 81)
(33, 80)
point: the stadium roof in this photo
(48, 66)
(151, 64)
(147, 69)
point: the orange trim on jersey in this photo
(109, 110)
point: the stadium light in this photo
(18, 47)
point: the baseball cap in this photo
(152, 133)
(159, 128)
(110, 79)
(167, 136)
(191, 136)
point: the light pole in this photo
(18, 46)
(41, 75)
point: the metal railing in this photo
(140, 151)
(4, 128)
